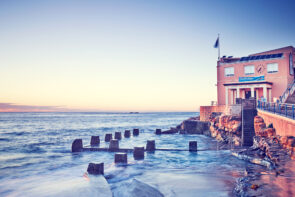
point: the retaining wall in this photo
(284, 126)
(205, 111)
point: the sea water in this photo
(36, 158)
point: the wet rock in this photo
(258, 124)
(136, 188)
(214, 116)
(194, 126)
(95, 169)
(230, 123)
(77, 145)
(182, 132)
(270, 125)
(170, 131)
(178, 127)
(272, 148)
(266, 132)
(254, 186)
(271, 132)
(258, 119)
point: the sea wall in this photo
(284, 126)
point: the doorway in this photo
(248, 94)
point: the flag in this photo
(216, 45)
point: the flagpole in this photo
(218, 48)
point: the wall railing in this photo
(283, 109)
(289, 91)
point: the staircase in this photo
(289, 94)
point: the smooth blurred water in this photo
(35, 154)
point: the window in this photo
(249, 70)
(291, 64)
(229, 71)
(272, 68)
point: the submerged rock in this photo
(136, 188)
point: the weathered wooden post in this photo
(94, 140)
(95, 169)
(135, 132)
(77, 145)
(150, 145)
(118, 135)
(158, 131)
(127, 133)
(248, 113)
(138, 153)
(108, 137)
(121, 158)
(114, 145)
(193, 146)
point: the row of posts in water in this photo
(121, 157)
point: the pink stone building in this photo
(265, 75)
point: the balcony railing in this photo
(283, 109)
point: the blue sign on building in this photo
(244, 79)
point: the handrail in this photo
(283, 109)
(288, 91)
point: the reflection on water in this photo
(282, 184)
(36, 158)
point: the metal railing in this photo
(283, 109)
(289, 91)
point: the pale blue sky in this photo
(129, 55)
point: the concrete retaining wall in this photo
(205, 111)
(284, 126)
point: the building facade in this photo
(266, 75)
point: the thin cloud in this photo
(11, 107)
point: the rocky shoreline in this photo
(275, 153)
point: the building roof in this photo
(279, 50)
(271, 54)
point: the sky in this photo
(122, 56)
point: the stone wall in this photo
(284, 126)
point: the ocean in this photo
(36, 157)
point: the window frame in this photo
(252, 66)
(229, 75)
(272, 71)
